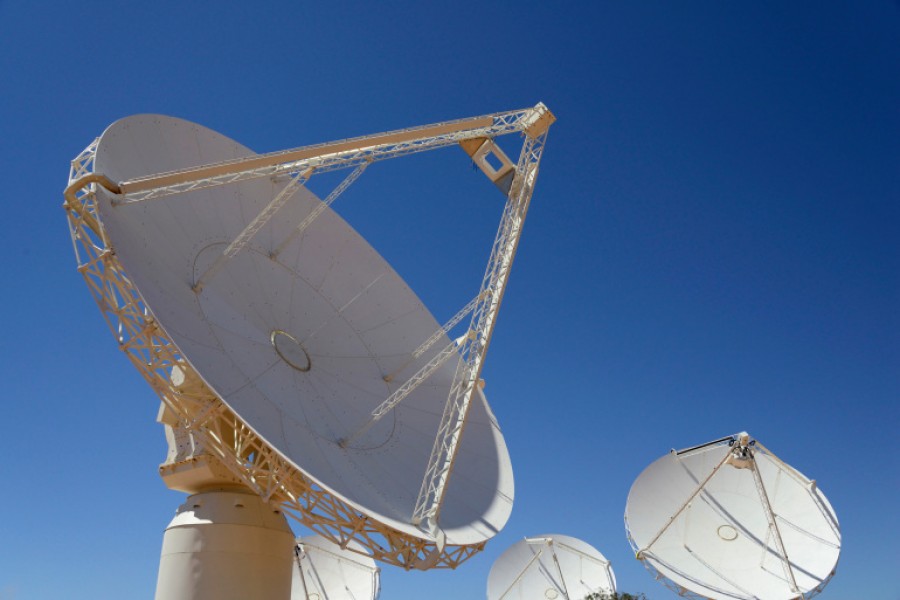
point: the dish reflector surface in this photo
(720, 545)
(550, 567)
(325, 571)
(299, 345)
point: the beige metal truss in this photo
(484, 315)
(330, 156)
(198, 409)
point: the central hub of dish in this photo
(727, 533)
(290, 350)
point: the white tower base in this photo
(226, 545)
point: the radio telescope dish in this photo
(550, 567)
(286, 346)
(324, 571)
(729, 520)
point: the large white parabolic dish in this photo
(719, 543)
(299, 346)
(550, 567)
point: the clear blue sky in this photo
(713, 246)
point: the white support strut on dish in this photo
(435, 337)
(253, 228)
(535, 557)
(684, 505)
(298, 555)
(559, 570)
(551, 566)
(318, 210)
(773, 529)
(810, 486)
(332, 156)
(403, 391)
(543, 543)
(473, 350)
(419, 376)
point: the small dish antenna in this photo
(290, 358)
(729, 520)
(325, 571)
(551, 567)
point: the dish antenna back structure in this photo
(551, 567)
(291, 360)
(729, 520)
(325, 571)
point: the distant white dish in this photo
(550, 567)
(728, 520)
(325, 571)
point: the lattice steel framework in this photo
(202, 413)
(331, 156)
(475, 345)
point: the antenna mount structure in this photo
(232, 449)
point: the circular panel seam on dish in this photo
(287, 347)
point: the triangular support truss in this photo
(202, 413)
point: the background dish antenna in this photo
(324, 571)
(729, 520)
(289, 356)
(550, 567)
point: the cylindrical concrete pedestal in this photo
(226, 546)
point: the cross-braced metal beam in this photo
(473, 350)
(245, 236)
(334, 155)
(318, 210)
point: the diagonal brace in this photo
(318, 210)
(253, 228)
